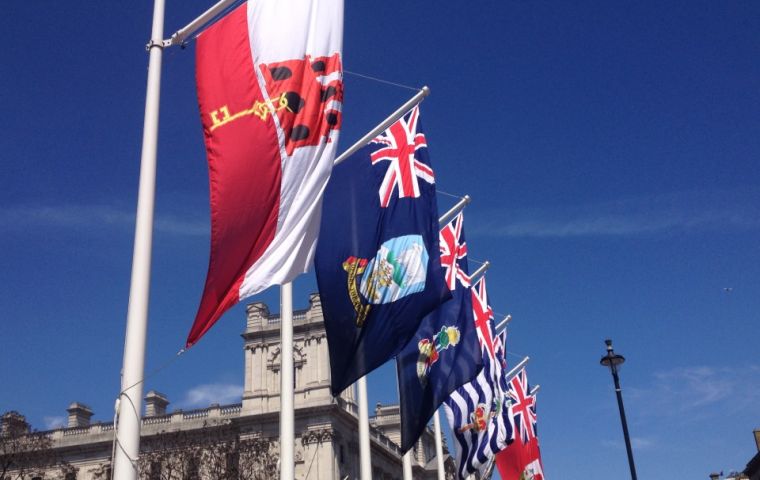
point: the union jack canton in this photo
(523, 406)
(401, 140)
(453, 249)
(483, 315)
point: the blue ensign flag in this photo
(377, 258)
(445, 352)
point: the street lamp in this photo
(613, 360)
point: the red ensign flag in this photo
(520, 461)
(270, 91)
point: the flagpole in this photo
(439, 446)
(446, 217)
(287, 428)
(133, 368)
(407, 459)
(516, 369)
(415, 100)
(480, 272)
(179, 37)
(365, 463)
(535, 389)
(487, 473)
(503, 323)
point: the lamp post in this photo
(612, 360)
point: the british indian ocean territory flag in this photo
(270, 92)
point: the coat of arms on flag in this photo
(398, 269)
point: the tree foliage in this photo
(25, 453)
(217, 452)
(209, 453)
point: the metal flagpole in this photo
(535, 389)
(516, 369)
(130, 397)
(487, 473)
(446, 217)
(133, 369)
(480, 272)
(287, 414)
(365, 463)
(439, 446)
(407, 459)
(503, 324)
(416, 99)
(179, 37)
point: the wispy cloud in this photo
(642, 442)
(638, 443)
(52, 423)
(204, 395)
(91, 216)
(698, 390)
(656, 214)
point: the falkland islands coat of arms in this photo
(398, 269)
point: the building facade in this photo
(326, 427)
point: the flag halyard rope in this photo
(117, 407)
(380, 80)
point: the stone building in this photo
(752, 470)
(326, 443)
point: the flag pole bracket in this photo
(161, 44)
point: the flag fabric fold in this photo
(444, 353)
(522, 459)
(475, 411)
(377, 260)
(270, 92)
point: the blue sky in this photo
(610, 149)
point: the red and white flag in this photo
(270, 91)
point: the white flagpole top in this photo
(415, 100)
(535, 389)
(516, 369)
(179, 37)
(480, 272)
(446, 217)
(503, 323)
